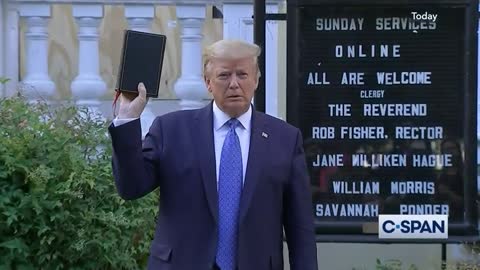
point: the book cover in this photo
(141, 61)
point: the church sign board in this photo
(384, 94)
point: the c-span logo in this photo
(413, 226)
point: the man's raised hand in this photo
(131, 104)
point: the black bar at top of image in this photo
(259, 39)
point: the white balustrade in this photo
(190, 87)
(11, 50)
(140, 17)
(88, 87)
(2, 28)
(37, 82)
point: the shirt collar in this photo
(220, 118)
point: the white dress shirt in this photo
(220, 131)
(118, 122)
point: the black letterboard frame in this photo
(385, 95)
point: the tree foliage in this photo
(58, 205)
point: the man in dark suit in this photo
(231, 179)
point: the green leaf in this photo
(5, 266)
(14, 244)
(25, 267)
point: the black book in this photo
(142, 60)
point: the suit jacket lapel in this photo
(258, 148)
(202, 135)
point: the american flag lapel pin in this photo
(265, 135)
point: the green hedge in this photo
(58, 205)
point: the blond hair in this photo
(230, 49)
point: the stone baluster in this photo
(37, 83)
(190, 87)
(88, 87)
(11, 50)
(2, 28)
(139, 18)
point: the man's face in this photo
(232, 83)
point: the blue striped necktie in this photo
(229, 192)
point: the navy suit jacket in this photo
(178, 156)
